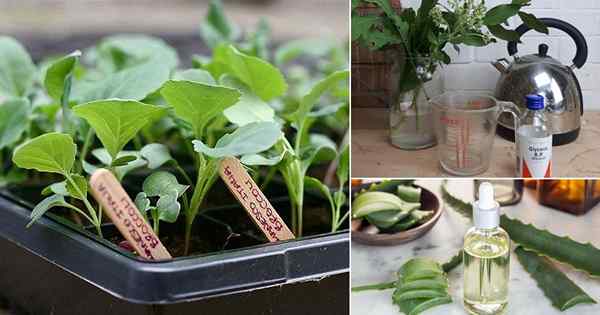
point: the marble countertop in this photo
(377, 264)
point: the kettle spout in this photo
(501, 65)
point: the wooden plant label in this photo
(254, 201)
(124, 214)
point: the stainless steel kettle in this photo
(541, 74)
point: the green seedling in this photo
(165, 190)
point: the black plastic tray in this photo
(52, 268)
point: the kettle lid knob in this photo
(543, 50)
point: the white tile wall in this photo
(471, 69)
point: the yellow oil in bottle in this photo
(486, 271)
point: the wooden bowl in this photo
(365, 233)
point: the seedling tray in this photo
(54, 268)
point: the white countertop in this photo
(372, 264)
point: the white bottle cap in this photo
(486, 211)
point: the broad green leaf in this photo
(162, 183)
(102, 155)
(41, 208)
(249, 139)
(249, 108)
(13, 121)
(156, 154)
(79, 188)
(219, 63)
(168, 207)
(531, 21)
(473, 39)
(58, 82)
(59, 188)
(502, 33)
(326, 110)
(319, 149)
(262, 159)
(216, 28)
(57, 75)
(296, 48)
(142, 202)
(123, 160)
(123, 51)
(315, 184)
(17, 71)
(52, 152)
(195, 75)
(362, 25)
(343, 168)
(198, 103)
(309, 100)
(116, 122)
(134, 83)
(500, 13)
(266, 81)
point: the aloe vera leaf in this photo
(419, 294)
(453, 262)
(377, 286)
(389, 185)
(463, 208)
(564, 249)
(403, 225)
(562, 292)
(419, 268)
(409, 193)
(439, 282)
(370, 202)
(427, 304)
(387, 218)
(416, 217)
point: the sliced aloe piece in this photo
(386, 218)
(435, 283)
(416, 217)
(422, 284)
(564, 249)
(389, 185)
(409, 193)
(414, 307)
(418, 294)
(419, 268)
(562, 292)
(374, 201)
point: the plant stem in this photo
(378, 286)
(87, 204)
(268, 178)
(85, 148)
(341, 221)
(182, 172)
(207, 175)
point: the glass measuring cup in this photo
(465, 125)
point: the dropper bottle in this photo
(486, 257)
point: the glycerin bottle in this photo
(486, 258)
(534, 141)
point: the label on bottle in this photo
(535, 157)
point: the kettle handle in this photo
(580, 42)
